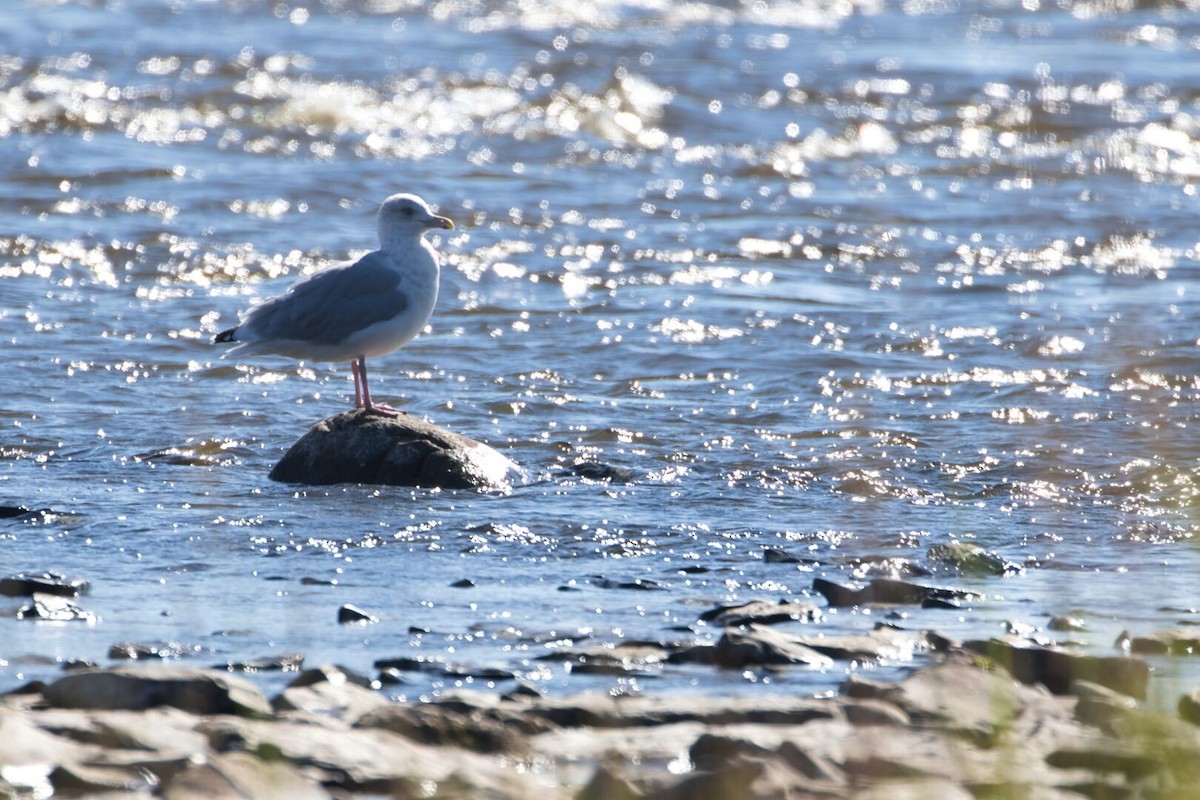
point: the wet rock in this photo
(56, 609)
(1175, 642)
(48, 583)
(356, 447)
(640, 658)
(331, 673)
(885, 591)
(1058, 669)
(597, 471)
(350, 615)
(882, 644)
(970, 558)
(137, 688)
(285, 662)
(774, 555)
(463, 583)
(134, 651)
(1065, 623)
(602, 710)
(759, 646)
(761, 612)
(637, 584)
(886, 566)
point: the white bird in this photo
(357, 309)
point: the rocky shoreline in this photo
(960, 728)
(1003, 717)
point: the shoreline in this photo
(960, 727)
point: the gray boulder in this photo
(357, 447)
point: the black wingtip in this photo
(225, 336)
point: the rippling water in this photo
(847, 279)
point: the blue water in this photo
(848, 280)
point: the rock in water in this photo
(357, 447)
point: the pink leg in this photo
(358, 402)
(380, 409)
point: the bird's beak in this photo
(440, 222)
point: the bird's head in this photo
(406, 215)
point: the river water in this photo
(844, 279)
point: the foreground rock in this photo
(952, 730)
(356, 447)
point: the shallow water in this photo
(844, 279)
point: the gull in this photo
(357, 309)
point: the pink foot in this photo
(382, 410)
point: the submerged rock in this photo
(357, 447)
(887, 591)
(22, 585)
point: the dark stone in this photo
(761, 612)
(331, 673)
(463, 583)
(596, 471)
(971, 558)
(885, 591)
(136, 689)
(131, 651)
(1057, 670)
(23, 585)
(357, 447)
(1189, 707)
(288, 662)
(773, 555)
(348, 615)
(1166, 643)
(641, 584)
(758, 646)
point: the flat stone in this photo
(882, 644)
(759, 646)
(885, 591)
(55, 608)
(197, 691)
(357, 447)
(601, 710)
(761, 612)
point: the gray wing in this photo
(329, 306)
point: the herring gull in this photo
(357, 309)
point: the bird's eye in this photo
(408, 212)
